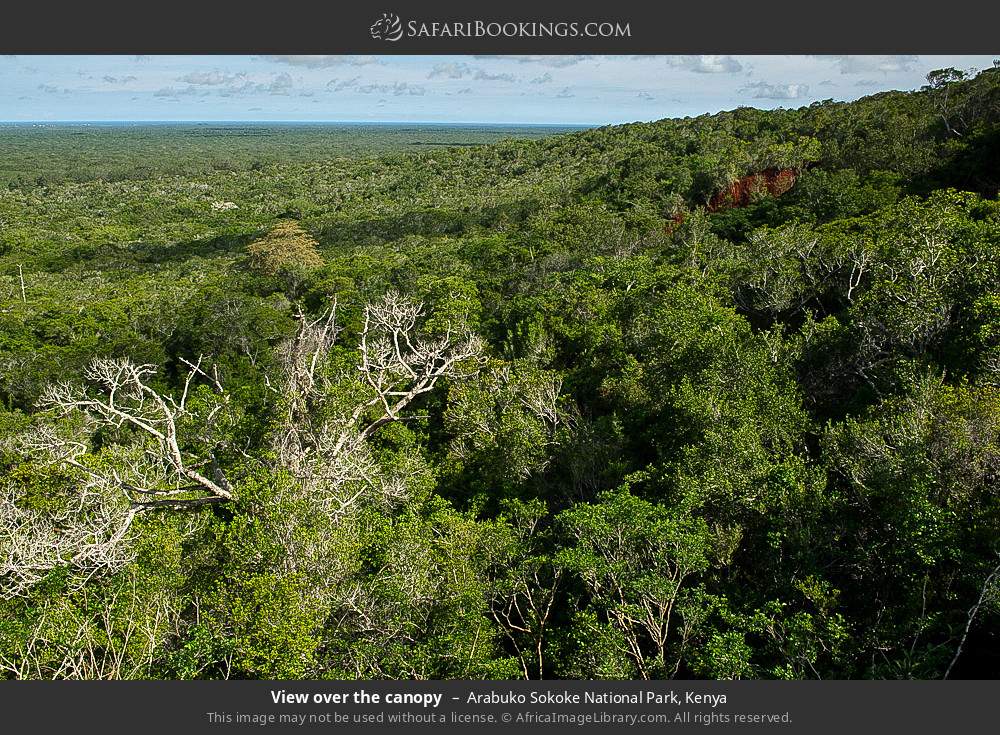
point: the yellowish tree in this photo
(286, 252)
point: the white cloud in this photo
(323, 61)
(397, 89)
(766, 91)
(706, 64)
(211, 78)
(461, 70)
(869, 64)
(543, 60)
(281, 84)
(450, 70)
(498, 77)
(173, 92)
(338, 85)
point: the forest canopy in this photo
(712, 397)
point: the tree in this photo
(523, 582)
(634, 559)
(918, 474)
(163, 453)
(287, 253)
(507, 422)
(941, 86)
(151, 467)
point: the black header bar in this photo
(509, 27)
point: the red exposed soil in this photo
(771, 181)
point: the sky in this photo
(584, 90)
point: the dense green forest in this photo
(713, 397)
(39, 154)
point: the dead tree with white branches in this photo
(154, 468)
(165, 464)
(331, 413)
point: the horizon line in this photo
(319, 122)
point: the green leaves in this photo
(701, 442)
(633, 559)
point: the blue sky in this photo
(497, 89)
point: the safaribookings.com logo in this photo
(390, 28)
(387, 28)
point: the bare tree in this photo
(124, 398)
(86, 534)
(330, 414)
(89, 529)
(165, 458)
